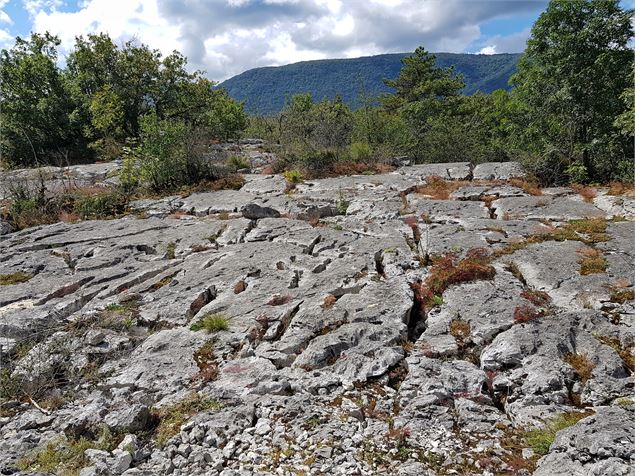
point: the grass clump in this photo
(626, 354)
(238, 162)
(581, 364)
(211, 323)
(532, 187)
(14, 278)
(541, 439)
(592, 261)
(65, 457)
(172, 417)
(206, 362)
(448, 270)
(170, 250)
(438, 188)
(116, 316)
(527, 313)
(293, 177)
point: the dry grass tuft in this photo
(530, 186)
(587, 193)
(581, 364)
(591, 261)
(527, 313)
(621, 188)
(329, 300)
(279, 300)
(448, 270)
(438, 188)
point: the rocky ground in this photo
(393, 324)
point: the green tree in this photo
(38, 122)
(423, 93)
(570, 89)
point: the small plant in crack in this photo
(14, 278)
(527, 313)
(341, 204)
(170, 250)
(211, 322)
(279, 300)
(581, 364)
(541, 439)
(205, 359)
(537, 298)
(591, 261)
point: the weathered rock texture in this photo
(330, 363)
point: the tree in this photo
(569, 89)
(423, 93)
(38, 124)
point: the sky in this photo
(226, 37)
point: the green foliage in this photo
(541, 439)
(570, 90)
(38, 121)
(238, 162)
(360, 151)
(264, 90)
(211, 323)
(293, 177)
(172, 417)
(169, 156)
(102, 205)
(66, 457)
(424, 95)
(100, 99)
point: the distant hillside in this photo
(264, 89)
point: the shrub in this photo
(360, 152)
(238, 162)
(170, 154)
(101, 205)
(541, 439)
(211, 323)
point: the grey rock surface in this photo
(338, 329)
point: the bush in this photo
(238, 162)
(170, 155)
(360, 151)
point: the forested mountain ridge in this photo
(264, 89)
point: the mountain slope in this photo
(264, 89)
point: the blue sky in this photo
(226, 37)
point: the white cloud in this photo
(488, 50)
(225, 37)
(514, 43)
(4, 16)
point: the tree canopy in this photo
(97, 101)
